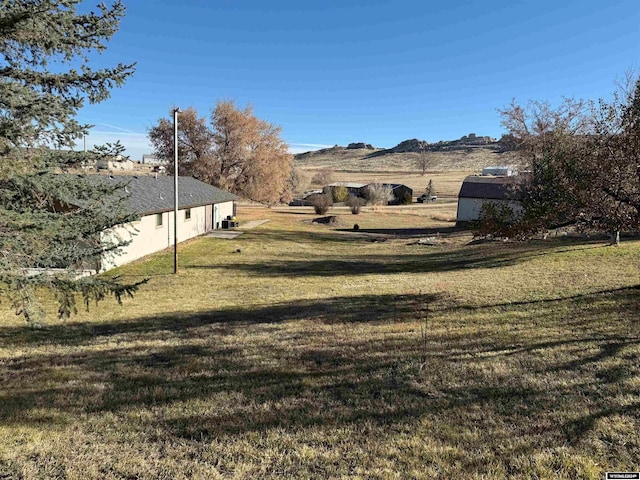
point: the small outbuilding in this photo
(478, 190)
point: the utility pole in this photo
(175, 189)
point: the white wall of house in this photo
(148, 237)
(220, 212)
(469, 208)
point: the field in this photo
(300, 350)
(446, 169)
(362, 160)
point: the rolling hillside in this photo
(443, 156)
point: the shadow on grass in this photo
(321, 236)
(229, 372)
(370, 309)
(628, 293)
(406, 232)
(479, 256)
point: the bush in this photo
(340, 194)
(355, 203)
(322, 204)
(379, 194)
(431, 189)
(497, 220)
(322, 177)
(406, 199)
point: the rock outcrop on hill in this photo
(355, 146)
(413, 145)
(464, 143)
(467, 143)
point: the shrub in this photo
(379, 194)
(355, 203)
(322, 177)
(340, 194)
(406, 199)
(496, 219)
(431, 189)
(322, 204)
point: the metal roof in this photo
(347, 184)
(151, 194)
(495, 188)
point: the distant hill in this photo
(470, 152)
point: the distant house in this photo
(507, 171)
(401, 193)
(307, 199)
(354, 189)
(150, 159)
(478, 190)
(201, 208)
(115, 164)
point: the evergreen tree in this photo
(431, 188)
(51, 224)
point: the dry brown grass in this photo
(300, 357)
(362, 161)
(446, 169)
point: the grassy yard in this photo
(296, 351)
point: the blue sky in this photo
(334, 72)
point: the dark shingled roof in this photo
(149, 194)
(495, 188)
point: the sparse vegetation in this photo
(322, 177)
(364, 160)
(378, 194)
(431, 188)
(322, 203)
(340, 194)
(355, 204)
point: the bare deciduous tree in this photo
(583, 158)
(379, 194)
(423, 161)
(237, 151)
(195, 144)
(322, 177)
